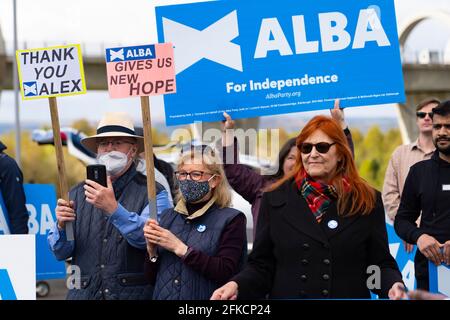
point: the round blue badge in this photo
(201, 228)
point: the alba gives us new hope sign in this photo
(264, 57)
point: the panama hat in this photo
(114, 124)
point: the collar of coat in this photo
(181, 208)
(122, 182)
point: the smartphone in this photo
(97, 173)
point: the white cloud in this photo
(107, 21)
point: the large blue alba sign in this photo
(265, 57)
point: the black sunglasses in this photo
(321, 147)
(422, 115)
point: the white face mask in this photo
(115, 162)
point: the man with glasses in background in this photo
(407, 155)
(109, 246)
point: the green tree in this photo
(373, 151)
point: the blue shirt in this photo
(129, 224)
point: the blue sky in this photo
(111, 22)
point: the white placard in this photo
(51, 72)
(17, 267)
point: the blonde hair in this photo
(213, 164)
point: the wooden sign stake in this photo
(148, 145)
(62, 178)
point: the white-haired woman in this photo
(201, 243)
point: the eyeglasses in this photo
(321, 147)
(422, 115)
(195, 175)
(115, 143)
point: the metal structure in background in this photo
(429, 76)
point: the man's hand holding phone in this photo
(100, 193)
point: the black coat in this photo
(295, 257)
(11, 188)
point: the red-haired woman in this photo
(321, 231)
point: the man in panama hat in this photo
(109, 246)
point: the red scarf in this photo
(318, 195)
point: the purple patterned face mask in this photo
(194, 190)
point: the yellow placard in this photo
(51, 72)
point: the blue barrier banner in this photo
(264, 57)
(41, 204)
(405, 260)
(439, 277)
(6, 287)
(17, 267)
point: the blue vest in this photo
(110, 267)
(174, 280)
